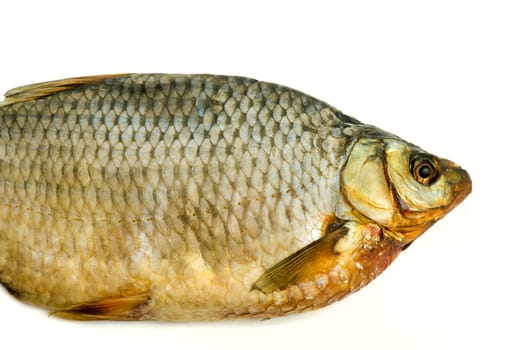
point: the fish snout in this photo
(458, 180)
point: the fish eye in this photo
(423, 169)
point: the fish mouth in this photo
(460, 182)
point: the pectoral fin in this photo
(313, 259)
(40, 90)
(122, 308)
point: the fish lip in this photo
(461, 184)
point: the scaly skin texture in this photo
(185, 187)
(367, 256)
(200, 197)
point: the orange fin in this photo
(40, 90)
(306, 263)
(123, 308)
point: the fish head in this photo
(401, 187)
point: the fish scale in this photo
(183, 197)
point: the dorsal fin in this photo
(40, 90)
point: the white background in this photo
(447, 75)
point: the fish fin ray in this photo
(121, 308)
(39, 90)
(303, 264)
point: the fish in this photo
(202, 197)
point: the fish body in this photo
(202, 197)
